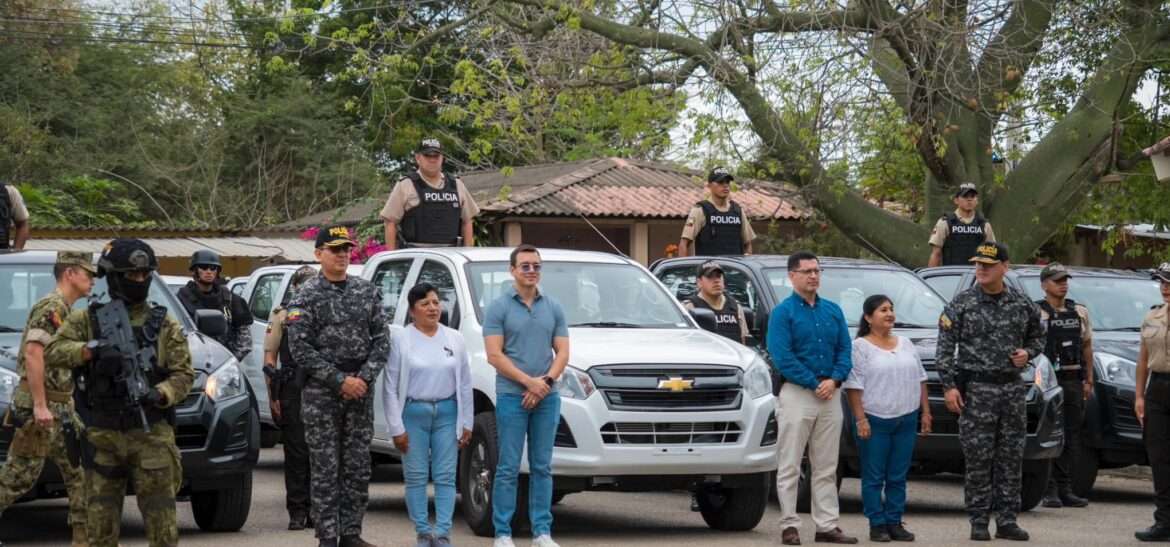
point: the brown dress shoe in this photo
(834, 536)
(790, 536)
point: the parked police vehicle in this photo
(1117, 300)
(217, 428)
(649, 401)
(760, 282)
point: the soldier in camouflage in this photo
(338, 336)
(42, 407)
(118, 446)
(996, 331)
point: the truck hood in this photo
(592, 347)
(206, 354)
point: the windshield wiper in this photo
(6, 328)
(607, 325)
(901, 325)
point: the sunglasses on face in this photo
(528, 267)
(208, 268)
(340, 251)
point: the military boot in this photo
(1011, 531)
(979, 532)
(1051, 498)
(354, 541)
(1069, 499)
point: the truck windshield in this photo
(22, 285)
(592, 295)
(915, 303)
(1114, 303)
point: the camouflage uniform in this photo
(150, 459)
(32, 444)
(335, 331)
(986, 329)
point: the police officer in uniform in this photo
(956, 235)
(429, 208)
(1069, 348)
(996, 331)
(718, 226)
(119, 449)
(338, 335)
(1152, 404)
(42, 406)
(284, 399)
(207, 291)
(13, 219)
(729, 317)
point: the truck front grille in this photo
(669, 388)
(669, 433)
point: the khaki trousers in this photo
(806, 421)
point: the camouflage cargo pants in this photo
(31, 446)
(338, 433)
(152, 461)
(992, 431)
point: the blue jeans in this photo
(513, 424)
(430, 427)
(885, 461)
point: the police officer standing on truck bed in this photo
(429, 208)
(956, 235)
(1069, 348)
(729, 317)
(284, 399)
(42, 405)
(717, 225)
(996, 330)
(128, 441)
(207, 291)
(339, 337)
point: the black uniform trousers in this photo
(1064, 466)
(296, 454)
(1156, 434)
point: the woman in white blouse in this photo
(428, 405)
(887, 394)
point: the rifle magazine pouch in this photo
(30, 441)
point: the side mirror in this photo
(704, 317)
(211, 322)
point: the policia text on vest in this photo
(717, 225)
(429, 207)
(956, 235)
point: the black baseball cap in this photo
(720, 174)
(334, 236)
(709, 267)
(1054, 271)
(967, 188)
(430, 145)
(1162, 272)
(991, 253)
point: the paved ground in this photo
(1121, 505)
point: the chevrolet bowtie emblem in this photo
(676, 384)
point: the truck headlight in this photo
(757, 380)
(1117, 370)
(226, 382)
(1043, 376)
(575, 384)
(8, 383)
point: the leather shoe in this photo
(790, 536)
(354, 541)
(834, 536)
(1153, 533)
(879, 534)
(1070, 499)
(1052, 501)
(1011, 531)
(898, 532)
(979, 532)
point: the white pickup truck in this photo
(649, 402)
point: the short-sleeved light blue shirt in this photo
(528, 334)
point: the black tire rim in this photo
(479, 478)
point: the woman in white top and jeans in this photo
(428, 405)
(887, 394)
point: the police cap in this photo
(334, 236)
(720, 174)
(707, 268)
(1162, 272)
(429, 145)
(126, 255)
(1054, 271)
(991, 253)
(966, 188)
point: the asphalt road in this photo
(1120, 506)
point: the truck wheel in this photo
(1085, 474)
(1034, 483)
(735, 509)
(223, 510)
(477, 468)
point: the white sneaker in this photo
(504, 541)
(544, 541)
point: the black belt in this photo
(1160, 376)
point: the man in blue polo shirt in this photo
(527, 341)
(809, 343)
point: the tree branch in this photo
(1011, 52)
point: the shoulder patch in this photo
(54, 318)
(294, 315)
(945, 322)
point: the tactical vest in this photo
(1065, 344)
(104, 397)
(438, 216)
(285, 351)
(722, 233)
(5, 216)
(962, 239)
(234, 310)
(726, 318)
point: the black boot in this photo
(1011, 531)
(898, 532)
(979, 532)
(879, 534)
(297, 522)
(1154, 533)
(1051, 498)
(354, 541)
(1069, 499)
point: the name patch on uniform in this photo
(294, 314)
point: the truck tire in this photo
(1085, 474)
(735, 509)
(1034, 482)
(224, 510)
(477, 468)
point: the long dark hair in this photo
(871, 305)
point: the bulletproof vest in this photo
(219, 299)
(726, 319)
(722, 233)
(284, 351)
(105, 397)
(962, 239)
(5, 216)
(438, 215)
(1065, 344)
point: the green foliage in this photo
(82, 201)
(816, 235)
